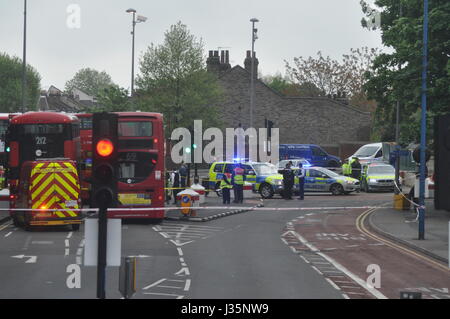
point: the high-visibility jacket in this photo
(224, 184)
(346, 169)
(239, 179)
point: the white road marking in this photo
(7, 235)
(42, 242)
(169, 287)
(69, 235)
(178, 243)
(184, 270)
(345, 296)
(67, 243)
(78, 260)
(180, 252)
(79, 251)
(154, 284)
(30, 260)
(320, 273)
(355, 278)
(66, 252)
(306, 260)
(333, 284)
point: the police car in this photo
(319, 179)
(263, 176)
(295, 163)
(378, 177)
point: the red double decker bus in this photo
(40, 135)
(141, 163)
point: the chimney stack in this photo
(248, 64)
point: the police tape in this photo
(256, 208)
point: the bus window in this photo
(135, 129)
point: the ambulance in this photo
(45, 186)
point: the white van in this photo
(369, 153)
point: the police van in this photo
(263, 176)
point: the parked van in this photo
(314, 154)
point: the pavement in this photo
(402, 227)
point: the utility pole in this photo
(252, 75)
(423, 126)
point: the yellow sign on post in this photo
(186, 203)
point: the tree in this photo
(111, 99)
(174, 80)
(396, 76)
(286, 87)
(324, 76)
(11, 85)
(89, 81)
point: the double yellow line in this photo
(362, 228)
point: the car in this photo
(320, 179)
(295, 162)
(315, 155)
(378, 177)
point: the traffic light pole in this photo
(101, 262)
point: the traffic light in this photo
(105, 164)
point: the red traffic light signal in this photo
(104, 147)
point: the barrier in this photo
(188, 199)
(200, 190)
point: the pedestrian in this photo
(356, 169)
(183, 171)
(225, 186)
(346, 168)
(301, 181)
(175, 185)
(238, 184)
(288, 181)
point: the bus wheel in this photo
(75, 227)
(266, 191)
(337, 189)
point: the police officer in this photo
(346, 168)
(175, 184)
(356, 169)
(225, 186)
(183, 174)
(238, 184)
(301, 181)
(288, 181)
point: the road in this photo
(258, 254)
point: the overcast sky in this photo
(287, 29)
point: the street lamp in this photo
(134, 22)
(24, 62)
(252, 81)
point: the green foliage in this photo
(174, 81)
(287, 88)
(89, 81)
(396, 76)
(11, 85)
(112, 99)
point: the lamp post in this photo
(24, 62)
(252, 81)
(134, 22)
(423, 124)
